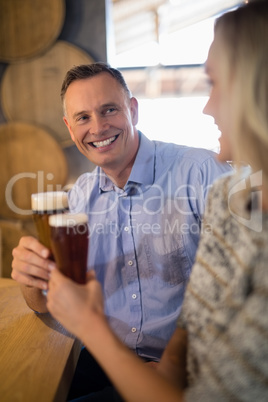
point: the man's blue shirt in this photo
(143, 238)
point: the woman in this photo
(219, 350)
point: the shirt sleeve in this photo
(210, 193)
(210, 171)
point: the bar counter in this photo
(37, 355)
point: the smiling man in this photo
(145, 202)
(101, 118)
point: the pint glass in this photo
(69, 236)
(44, 205)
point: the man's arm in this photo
(34, 298)
(31, 267)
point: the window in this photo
(161, 46)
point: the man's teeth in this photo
(104, 143)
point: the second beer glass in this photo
(69, 237)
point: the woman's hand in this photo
(75, 306)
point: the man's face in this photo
(101, 120)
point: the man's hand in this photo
(30, 265)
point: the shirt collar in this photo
(143, 169)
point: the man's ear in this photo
(69, 128)
(134, 107)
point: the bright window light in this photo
(188, 45)
(179, 121)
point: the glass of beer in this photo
(69, 236)
(44, 205)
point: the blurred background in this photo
(160, 46)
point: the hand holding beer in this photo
(69, 241)
(44, 205)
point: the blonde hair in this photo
(244, 34)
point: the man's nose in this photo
(98, 124)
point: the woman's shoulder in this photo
(227, 185)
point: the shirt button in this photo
(134, 296)
(133, 329)
(126, 229)
(130, 263)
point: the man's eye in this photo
(110, 110)
(82, 118)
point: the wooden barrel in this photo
(31, 161)
(10, 234)
(31, 90)
(29, 27)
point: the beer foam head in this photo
(68, 220)
(49, 201)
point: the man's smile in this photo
(104, 143)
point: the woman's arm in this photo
(80, 310)
(134, 380)
(173, 361)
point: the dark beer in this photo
(44, 205)
(69, 236)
